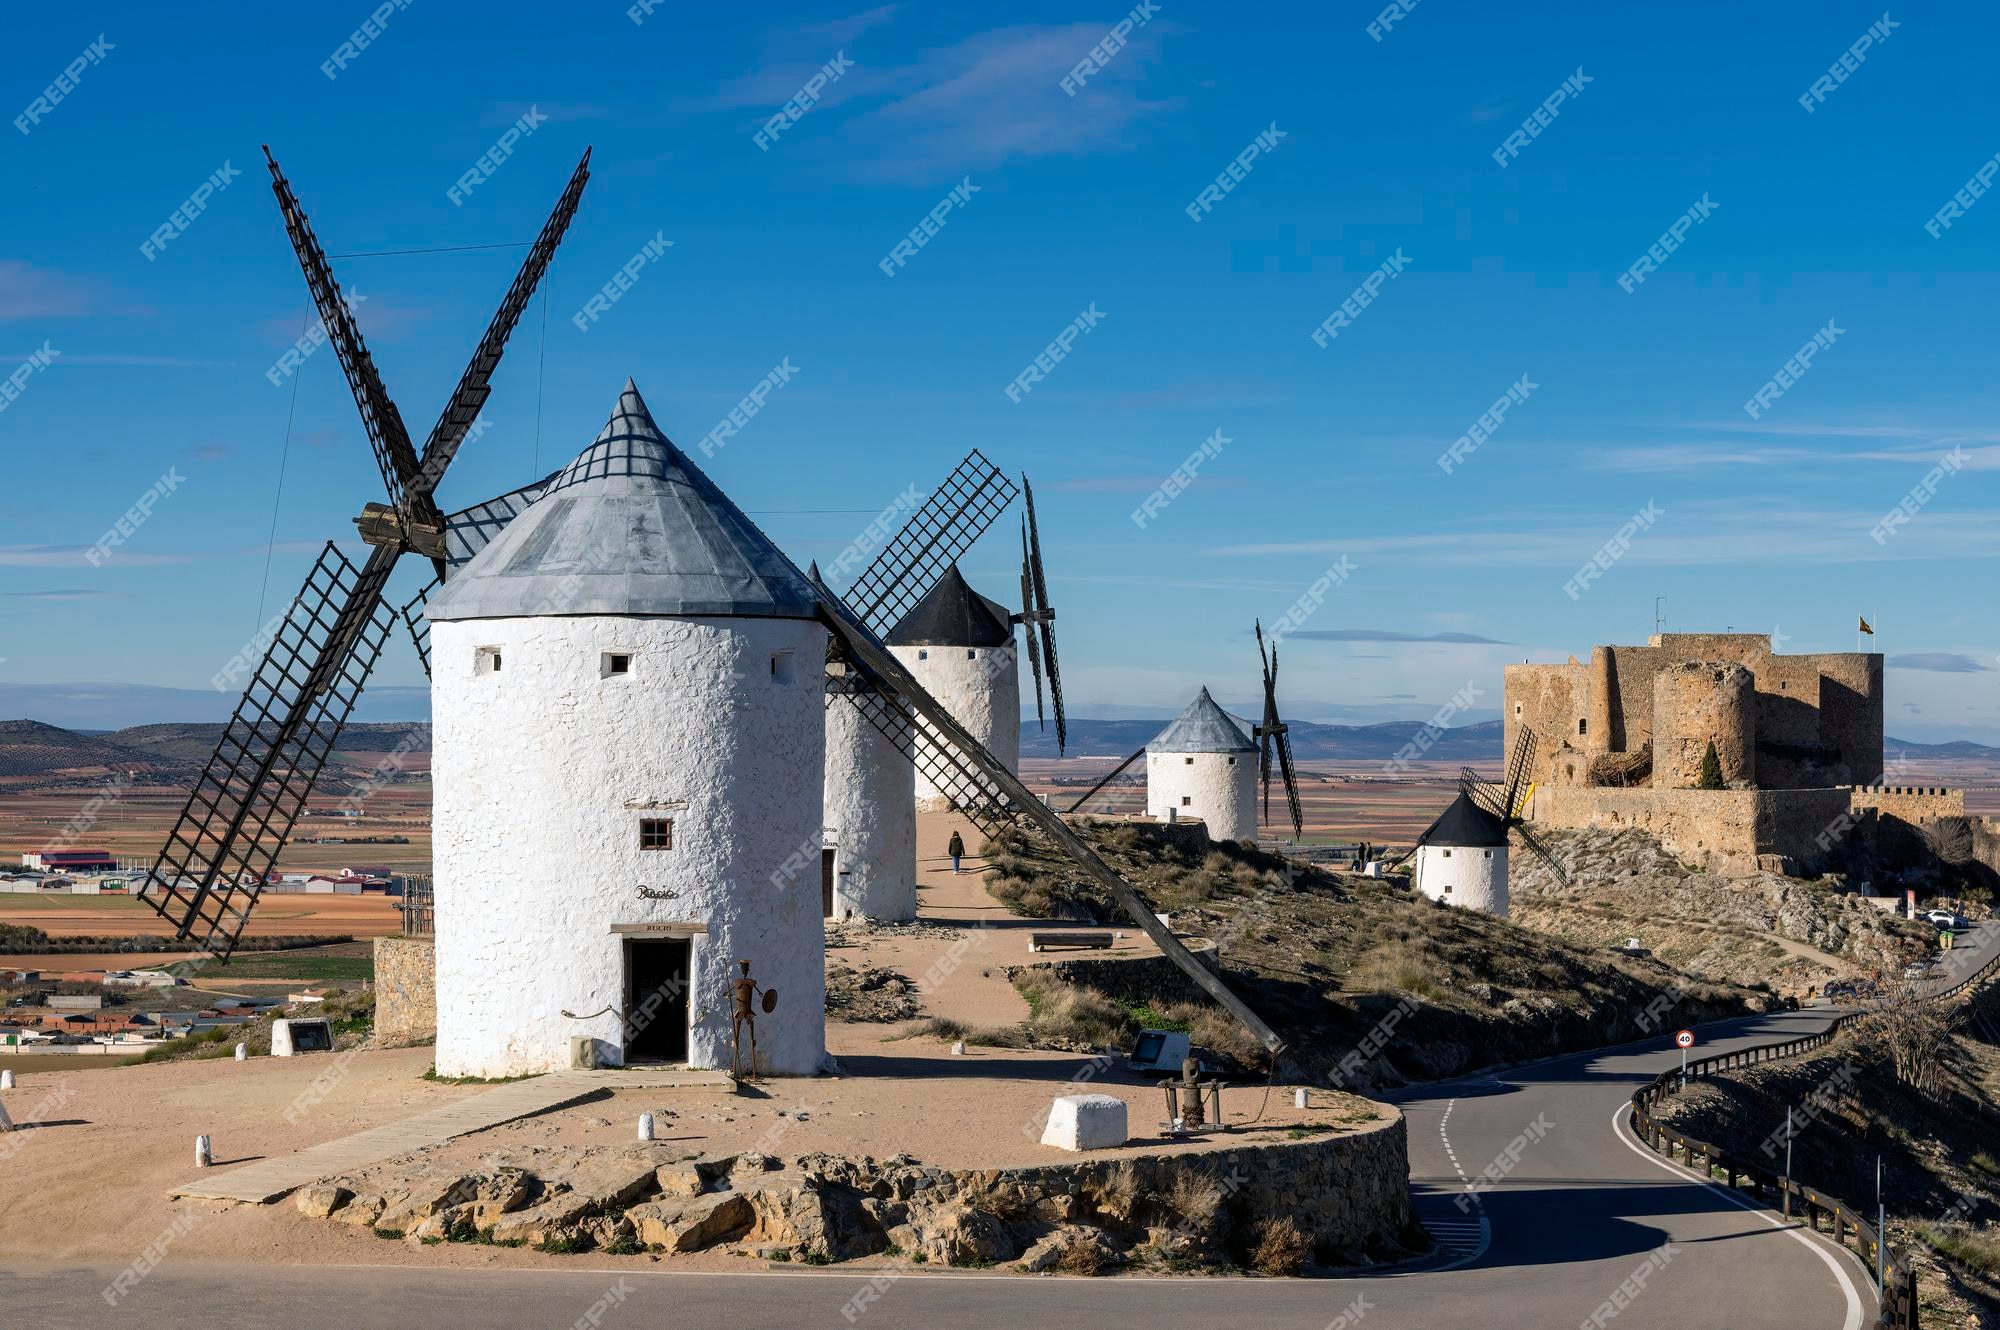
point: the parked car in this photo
(1945, 919)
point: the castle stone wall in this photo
(1724, 831)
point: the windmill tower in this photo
(960, 646)
(1204, 766)
(870, 812)
(627, 693)
(1461, 859)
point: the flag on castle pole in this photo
(1861, 627)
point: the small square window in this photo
(1232, 761)
(1189, 761)
(1517, 708)
(615, 663)
(1447, 854)
(1489, 854)
(1447, 888)
(656, 833)
(486, 660)
(1186, 800)
(781, 666)
(923, 654)
(1582, 725)
(970, 654)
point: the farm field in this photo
(126, 916)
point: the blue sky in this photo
(1331, 451)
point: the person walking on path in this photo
(956, 850)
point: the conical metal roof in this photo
(1203, 728)
(630, 527)
(952, 614)
(1465, 825)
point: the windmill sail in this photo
(955, 515)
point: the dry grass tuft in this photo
(1281, 1249)
(1195, 1196)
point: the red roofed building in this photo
(71, 861)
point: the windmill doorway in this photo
(826, 858)
(658, 973)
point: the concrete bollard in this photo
(6, 1123)
(645, 1126)
(959, 1048)
(1299, 1098)
(243, 1052)
(7, 1079)
(203, 1156)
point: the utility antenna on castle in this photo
(1659, 614)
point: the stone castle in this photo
(1620, 742)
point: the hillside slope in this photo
(30, 748)
(1327, 957)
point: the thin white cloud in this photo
(74, 556)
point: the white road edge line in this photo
(1853, 1321)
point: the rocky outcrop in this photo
(1348, 1191)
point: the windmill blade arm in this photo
(243, 807)
(1055, 685)
(412, 615)
(384, 424)
(1028, 634)
(1540, 849)
(1115, 773)
(956, 514)
(474, 386)
(887, 673)
(1291, 786)
(473, 529)
(1045, 614)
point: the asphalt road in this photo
(1586, 1228)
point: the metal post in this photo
(1788, 1163)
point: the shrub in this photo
(1281, 1249)
(1081, 1258)
(1711, 769)
(1195, 1196)
(1117, 1192)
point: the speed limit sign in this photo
(1684, 1038)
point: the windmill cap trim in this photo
(1465, 825)
(631, 527)
(1203, 727)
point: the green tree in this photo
(1711, 770)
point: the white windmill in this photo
(1204, 766)
(627, 693)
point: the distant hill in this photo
(1310, 740)
(30, 748)
(1961, 749)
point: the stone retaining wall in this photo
(405, 990)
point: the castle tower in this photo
(1696, 703)
(1204, 765)
(960, 646)
(871, 814)
(628, 693)
(1462, 859)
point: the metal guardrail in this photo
(1899, 1280)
